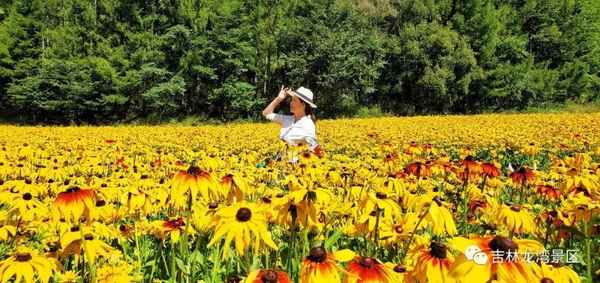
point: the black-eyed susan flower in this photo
(548, 192)
(419, 169)
(440, 218)
(233, 187)
(267, 276)
(321, 266)
(110, 274)
(173, 229)
(195, 180)
(399, 229)
(490, 170)
(516, 218)
(84, 241)
(379, 201)
(7, 230)
(522, 176)
(470, 168)
(26, 204)
(368, 270)
(245, 225)
(432, 263)
(492, 258)
(553, 273)
(24, 265)
(74, 203)
(68, 277)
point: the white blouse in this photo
(296, 132)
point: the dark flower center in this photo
(73, 189)
(438, 250)
(243, 214)
(100, 203)
(74, 228)
(381, 195)
(317, 254)
(546, 280)
(515, 208)
(233, 279)
(88, 237)
(399, 268)
(27, 196)
(213, 205)
(194, 170)
(266, 199)
(367, 262)
(500, 243)
(438, 200)
(269, 276)
(23, 257)
(398, 229)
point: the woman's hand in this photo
(283, 92)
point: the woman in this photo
(297, 129)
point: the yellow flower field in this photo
(485, 198)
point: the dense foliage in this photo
(110, 60)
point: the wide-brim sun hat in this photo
(305, 94)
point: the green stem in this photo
(412, 236)
(173, 274)
(588, 249)
(377, 215)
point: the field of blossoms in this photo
(485, 198)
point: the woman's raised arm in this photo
(271, 107)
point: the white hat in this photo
(305, 94)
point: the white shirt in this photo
(296, 132)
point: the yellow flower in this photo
(516, 218)
(68, 277)
(74, 203)
(24, 264)
(172, 228)
(76, 241)
(440, 218)
(368, 270)
(110, 274)
(486, 258)
(432, 263)
(245, 225)
(556, 273)
(321, 266)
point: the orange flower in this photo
(433, 264)
(470, 168)
(548, 192)
(318, 151)
(173, 228)
(490, 170)
(232, 188)
(522, 176)
(320, 266)
(419, 169)
(75, 202)
(194, 179)
(267, 276)
(368, 270)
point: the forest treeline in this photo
(104, 61)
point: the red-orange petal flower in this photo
(75, 202)
(368, 270)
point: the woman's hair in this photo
(309, 111)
